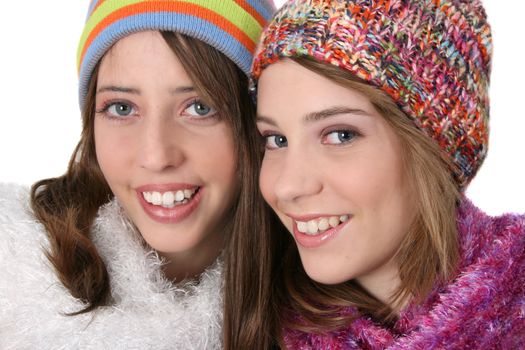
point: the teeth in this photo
(313, 227)
(169, 199)
(333, 221)
(302, 226)
(323, 224)
(179, 196)
(156, 198)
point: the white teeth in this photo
(302, 226)
(179, 196)
(323, 224)
(313, 227)
(333, 221)
(156, 198)
(169, 199)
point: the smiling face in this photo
(334, 174)
(166, 154)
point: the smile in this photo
(169, 199)
(171, 203)
(312, 231)
(320, 225)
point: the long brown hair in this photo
(68, 205)
(427, 255)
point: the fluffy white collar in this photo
(149, 311)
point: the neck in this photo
(383, 283)
(190, 264)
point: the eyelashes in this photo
(122, 110)
(117, 109)
(274, 141)
(337, 136)
(199, 109)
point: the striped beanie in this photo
(231, 26)
(433, 57)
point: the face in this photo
(333, 173)
(166, 154)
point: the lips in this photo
(169, 199)
(319, 225)
(313, 237)
(169, 210)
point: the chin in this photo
(328, 280)
(325, 275)
(173, 242)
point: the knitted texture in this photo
(433, 57)
(231, 26)
(483, 308)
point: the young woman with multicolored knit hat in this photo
(375, 119)
(126, 249)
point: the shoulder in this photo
(481, 234)
(148, 311)
(30, 291)
(14, 203)
(493, 267)
(22, 236)
(20, 231)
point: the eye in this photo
(199, 109)
(118, 109)
(275, 141)
(338, 137)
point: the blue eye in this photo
(276, 141)
(199, 109)
(118, 110)
(339, 137)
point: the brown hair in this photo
(67, 205)
(427, 255)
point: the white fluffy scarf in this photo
(149, 311)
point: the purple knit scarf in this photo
(483, 308)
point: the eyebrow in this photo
(331, 112)
(182, 90)
(319, 115)
(113, 88)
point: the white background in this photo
(40, 117)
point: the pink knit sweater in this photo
(483, 308)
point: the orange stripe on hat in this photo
(177, 7)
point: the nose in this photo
(298, 177)
(160, 149)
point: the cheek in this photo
(113, 151)
(378, 175)
(384, 197)
(221, 166)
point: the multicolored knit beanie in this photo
(231, 26)
(433, 57)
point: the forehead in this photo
(142, 58)
(286, 88)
